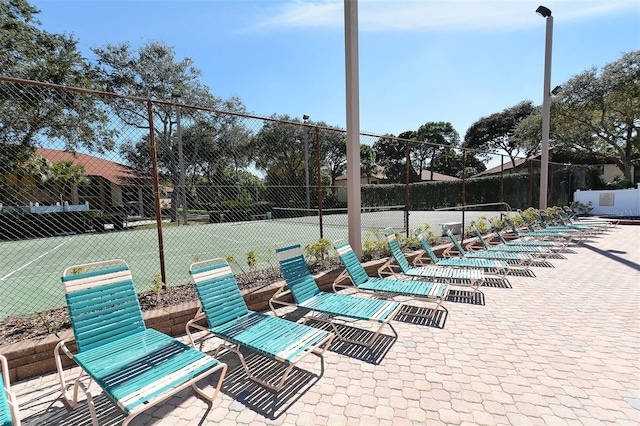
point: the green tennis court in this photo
(30, 270)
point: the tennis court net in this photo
(380, 217)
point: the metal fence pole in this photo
(407, 201)
(464, 187)
(318, 165)
(156, 190)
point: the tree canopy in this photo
(26, 112)
(597, 113)
(495, 133)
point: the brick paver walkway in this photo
(559, 348)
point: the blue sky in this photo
(419, 61)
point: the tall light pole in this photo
(546, 107)
(305, 118)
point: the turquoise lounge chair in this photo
(9, 414)
(559, 217)
(561, 230)
(229, 319)
(519, 259)
(499, 267)
(327, 307)
(136, 367)
(456, 276)
(355, 274)
(540, 252)
(552, 245)
(570, 216)
(546, 221)
(539, 234)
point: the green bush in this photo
(318, 250)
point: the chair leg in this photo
(210, 397)
(71, 401)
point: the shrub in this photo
(318, 250)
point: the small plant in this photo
(318, 250)
(411, 242)
(580, 208)
(429, 236)
(157, 286)
(46, 323)
(232, 259)
(499, 224)
(468, 231)
(377, 247)
(483, 225)
(252, 259)
(272, 253)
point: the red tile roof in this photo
(94, 166)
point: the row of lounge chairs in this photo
(137, 367)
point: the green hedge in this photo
(520, 191)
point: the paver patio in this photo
(560, 348)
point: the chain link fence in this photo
(88, 176)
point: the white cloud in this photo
(447, 15)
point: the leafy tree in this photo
(26, 111)
(598, 113)
(495, 133)
(153, 71)
(21, 168)
(279, 151)
(449, 162)
(334, 152)
(67, 175)
(367, 161)
(391, 154)
(437, 137)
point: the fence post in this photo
(464, 188)
(407, 201)
(156, 190)
(319, 181)
(502, 178)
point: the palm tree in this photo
(68, 175)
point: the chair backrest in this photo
(427, 247)
(5, 389)
(541, 220)
(397, 253)
(479, 235)
(512, 225)
(102, 301)
(498, 233)
(526, 221)
(454, 240)
(351, 263)
(569, 212)
(296, 273)
(218, 291)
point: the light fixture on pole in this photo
(546, 107)
(305, 118)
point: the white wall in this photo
(617, 202)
